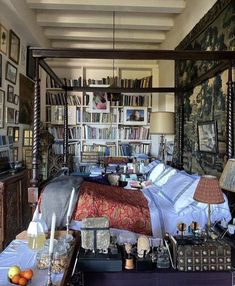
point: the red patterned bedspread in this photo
(126, 209)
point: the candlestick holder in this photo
(67, 225)
(49, 281)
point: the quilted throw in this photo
(126, 209)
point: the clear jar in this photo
(43, 258)
(60, 259)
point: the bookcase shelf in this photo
(107, 132)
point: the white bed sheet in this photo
(165, 219)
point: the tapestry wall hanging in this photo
(205, 101)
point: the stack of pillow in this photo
(175, 186)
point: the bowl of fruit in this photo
(17, 276)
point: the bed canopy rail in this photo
(225, 60)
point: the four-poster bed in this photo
(40, 55)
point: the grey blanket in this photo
(55, 198)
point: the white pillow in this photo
(165, 176)
(156, 172)
(179, 190)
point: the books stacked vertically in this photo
(59, 98)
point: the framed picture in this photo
(16, 99)
(10, 115)
(14, 47)
(16, 117)
(2, 98)
(15, 154)
(10, 93)
(207, 136)
(10, 131)
(11, 72)
(16, 132)
(135, 115)
(99, 102)
(3, 39)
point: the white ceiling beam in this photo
(105, 20)
(103, 45)
(151, 6)
(104, 35)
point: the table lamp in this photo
(208, 191)
(227, 179)
(162, 122)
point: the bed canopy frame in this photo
(225, 60)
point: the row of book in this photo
(60, 98)
(100, 117)
(134, 133)
(145, 82)
(135, 100)
(108, 149)
(105, 133)
(58, 148)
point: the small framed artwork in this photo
(15, 154)
(10, 93)
(14, 47)
(10, 131)
(16, 132)
(16, 99)
(11, 72)
(3, 39)
(207, 136)
(135, 115)
(16, 117)
(2, 98)
(99, 102)
(10, 115)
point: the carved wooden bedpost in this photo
(36, 127)
(230, 130)
(181, 130)
(65, 143)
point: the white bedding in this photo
(165, 219)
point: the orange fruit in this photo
(15, 279)
(23, 281)
(28, 274)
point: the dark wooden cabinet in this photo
(15, 212)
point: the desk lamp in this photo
(227, 179)
(209, 192)
(162, 122)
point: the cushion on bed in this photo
(147, 169)
(179, 190)
(156, 172)
(165, 176)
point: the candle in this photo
(70, 203)
(51, 245)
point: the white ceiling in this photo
(121, 24)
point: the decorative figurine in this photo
(143, 246)
(129, 262)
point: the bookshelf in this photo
(94, 131)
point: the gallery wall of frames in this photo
(12, 100)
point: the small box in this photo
(207, 256)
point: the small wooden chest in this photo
(208, 256)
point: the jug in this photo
(36, 232)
